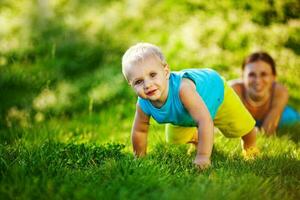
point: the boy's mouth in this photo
(151, 93)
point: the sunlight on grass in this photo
(47, 99)
(106, 90)
(66, 111)
(17, 117)
(90, 22)
(3, 61)
(57, 99)
(276, 146)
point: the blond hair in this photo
(138, 53)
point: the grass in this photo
(66, 111)
(38, 163)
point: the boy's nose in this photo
(147, 83)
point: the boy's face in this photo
(150, 80)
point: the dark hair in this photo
(263, 56)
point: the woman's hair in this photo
(260, 56)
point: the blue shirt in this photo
(288, 116)
(209, 85)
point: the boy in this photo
(190, 98)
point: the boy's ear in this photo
(129, 82)
(167, 70)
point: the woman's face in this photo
(258, 79)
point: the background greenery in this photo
(66, 111)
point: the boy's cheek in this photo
(138, 93)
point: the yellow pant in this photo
(232, 119)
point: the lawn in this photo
(66, 111)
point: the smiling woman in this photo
(263, 96)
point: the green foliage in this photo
(66, 111)
(293, 41)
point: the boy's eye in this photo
(137, 82)
(153, 74)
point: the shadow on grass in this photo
(52, 156)
(292, 131)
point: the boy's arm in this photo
(139, 132)
(279, 101)
(198, 110)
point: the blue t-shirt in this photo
(289, 116)
(209, 85)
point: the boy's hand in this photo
(202, 162)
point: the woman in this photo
(265, 98)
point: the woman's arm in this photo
(139, 132)
(279, 100)
(198, 110)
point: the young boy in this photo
(189, 98)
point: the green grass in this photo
(34, 167)
(66, 111)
